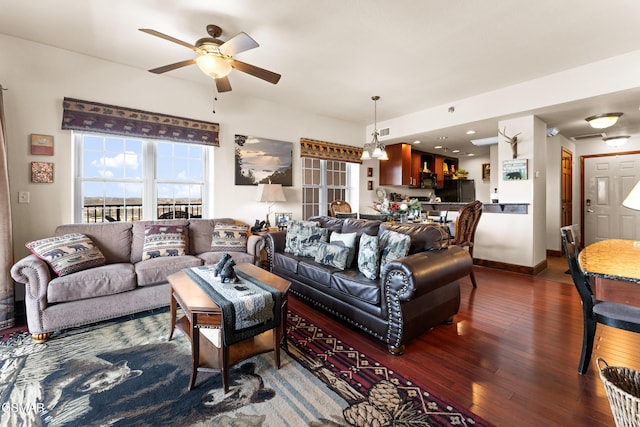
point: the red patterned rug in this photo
(376, 394)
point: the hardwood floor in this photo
(512, 354)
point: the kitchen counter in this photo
(511, 208)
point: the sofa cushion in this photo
(309, 270)
(228, 237)
(210, 258)
(156, 270)
(96, 282)
(113, 238)
(393, 245)
(330, 223)
(356, 285)
(369, 256)
(200, 232)
(424, 237)
(163, 240)
(348, 240)
(333, 255)
(137, 231)
(303, 238)
(287, 263)
(361, 226)
(68, 253)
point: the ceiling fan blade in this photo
(173, 66)
(223, 84)
(166, 37)
(258, 72)
(238, 43)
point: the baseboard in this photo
(512, 267)
(554, 253)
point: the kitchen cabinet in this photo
(403, 166)
(444, 167)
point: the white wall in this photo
(38, 77)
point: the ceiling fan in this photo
(215, 57)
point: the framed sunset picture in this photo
(263, 161)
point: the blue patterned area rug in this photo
(126, 373)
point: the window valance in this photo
(92, 116)
(329, 151)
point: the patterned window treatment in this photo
(92, 116)
(7, 311)
(329, 151)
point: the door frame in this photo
(582, 200)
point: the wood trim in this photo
(532, 271)
(329, 151)
(553, 253)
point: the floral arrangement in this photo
(386, 207)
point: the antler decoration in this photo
(512, 140)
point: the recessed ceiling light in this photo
(470, 154)
(437, 147)
(455, 151)
(442, 137)
(471, 132)
(417, 142)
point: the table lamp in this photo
(633, 199)
(270, 193)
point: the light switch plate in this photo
(23, 197)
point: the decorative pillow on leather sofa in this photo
(228, 237)
(68, 253)
(332, 255)
(163, 240)
(303, 238)
(369, 256)
(393, 245)
(348, 240)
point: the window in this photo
(324, 181)
(128, 179)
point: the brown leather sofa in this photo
(412, 294)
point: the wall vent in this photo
(384, 132)
(588, 136)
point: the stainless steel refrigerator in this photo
(457, 190)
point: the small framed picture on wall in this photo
(369, 185)
(41, 144)
(369, 172)
(486, 171)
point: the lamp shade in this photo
(213, 66)
(270, 193)
(633, 199)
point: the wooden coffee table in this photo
(208, 351)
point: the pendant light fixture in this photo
(375, 149)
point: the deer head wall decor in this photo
(512, 140)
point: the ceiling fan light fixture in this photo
(616, 141)
(214, 66)
(603, 121)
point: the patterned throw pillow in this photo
(368, 256)
(229, 237)
(332, 255)
(163, 240)
(68, 254)
(393, 245)
(348, 240)
(303, 238)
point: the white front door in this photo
(607, 181)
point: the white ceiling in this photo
(335, 54)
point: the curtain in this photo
(7, 312)
(92, 116)
(329, 151)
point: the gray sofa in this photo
(412, 294)
(126, 284)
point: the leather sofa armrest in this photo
(255, 245)
(274, 242)
(415, 275)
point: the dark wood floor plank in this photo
(512, 353)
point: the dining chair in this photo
(339, 206)
(594, 311)
(438, 216)
(466, 226)
(574, 235)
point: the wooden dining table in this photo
(613, 269)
